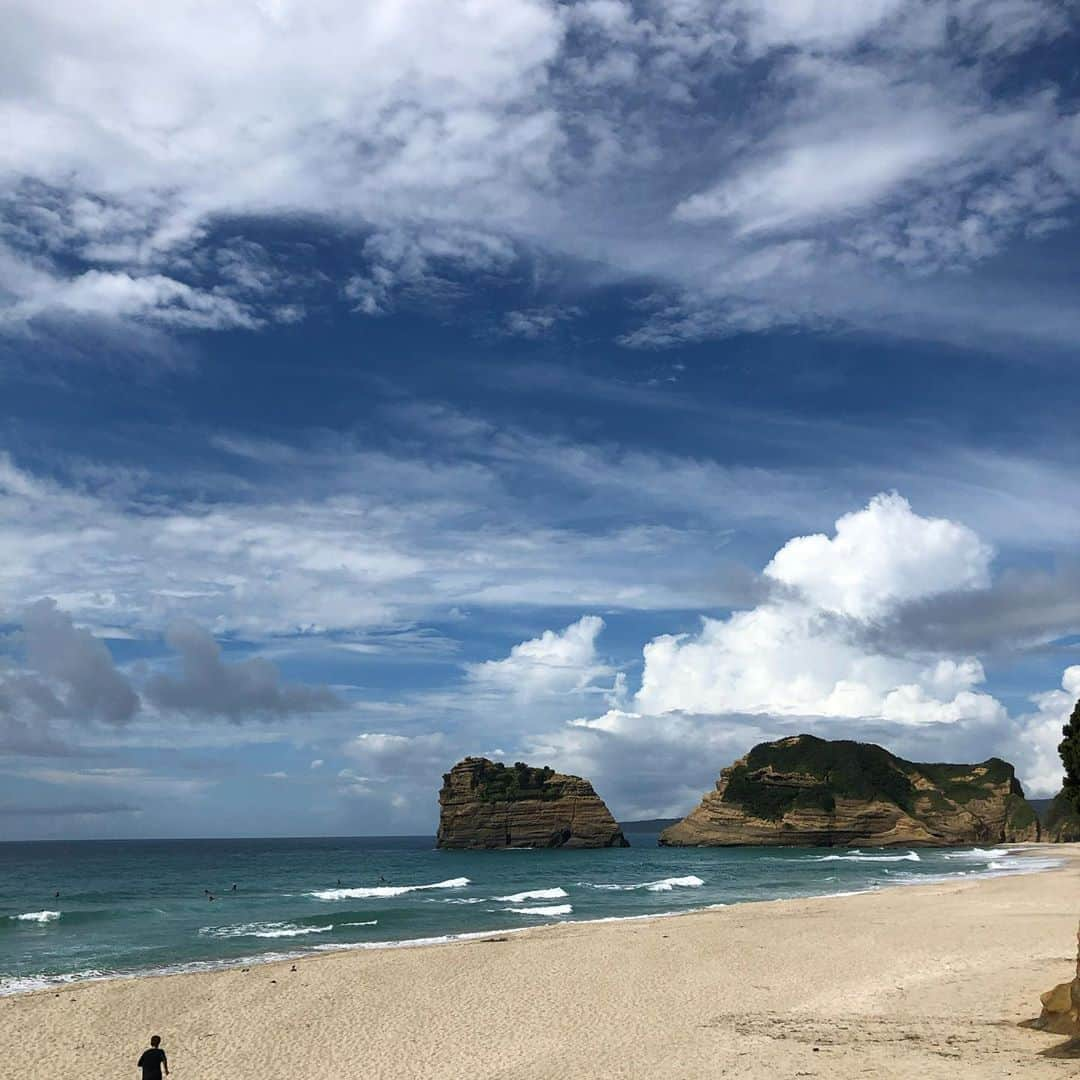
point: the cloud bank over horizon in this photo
(797, 661)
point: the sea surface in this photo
(142, 906)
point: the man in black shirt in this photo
(153, 1060)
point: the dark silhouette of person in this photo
(210, 897)
(234, 886)
(153, 1060)
(339, 882)
(57, 896)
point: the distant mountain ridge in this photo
(809, 791)
(648, 824)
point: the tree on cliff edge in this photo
(1069, 749)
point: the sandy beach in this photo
(927, 981)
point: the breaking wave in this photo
(535, 894)
(36, 916)
(377, 891)
(1024, 865)
(550, 910)
(979, 854)
(664, 885)
(263, 930)
(858, 856)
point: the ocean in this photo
(141, 907)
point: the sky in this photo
(608, 385)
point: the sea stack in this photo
(483, 804)
(809, 791)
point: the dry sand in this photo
(920, 982)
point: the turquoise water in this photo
(130, 907)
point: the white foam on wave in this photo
(690, 881)
(383, 891)
(36, 916)
(1023, 866)
(411, 943)
(370, 922)
(456, 900)
(978, 854)
(263, 930)
(26, 983)
(858, 856)
(546, 912)
(535, 894)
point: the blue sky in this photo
(606, 385)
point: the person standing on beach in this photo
(153, 1060)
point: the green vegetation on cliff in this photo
(843, 769)
(1063, 820)
(1020, 814)
(500, 783)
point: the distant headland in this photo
(809, 791)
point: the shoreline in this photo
(929, 980)
(65, 983)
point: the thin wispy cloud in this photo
(886, 141)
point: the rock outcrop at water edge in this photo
(483, 804)
(809, 791)
(1062, 821)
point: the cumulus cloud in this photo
(798, 654)
(79, 663)
(557, 662)
(881, 556)
(1040, 733)
(66, 675)
(209, 686)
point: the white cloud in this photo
(880, 557)
(800, 654)
(465, 135)
(533, 323)
(829, 24)
(794, 656)
(557, 662)
(353, 539)
(1040, 732)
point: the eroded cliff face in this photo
(809, 791)
(487, 805)
(1062, 821)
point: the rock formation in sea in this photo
(483, 804)
(809, 791)
(1062, 821)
